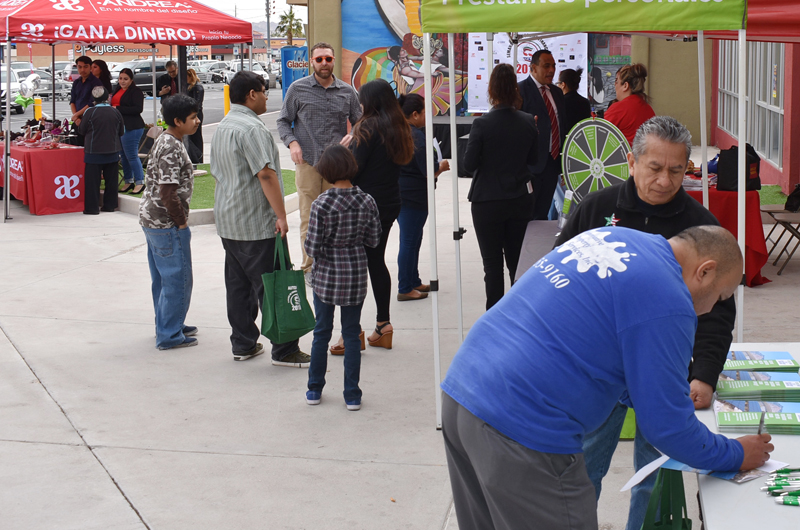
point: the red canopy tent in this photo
(181, 22)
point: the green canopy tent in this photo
(676, 17)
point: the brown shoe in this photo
(424, 288)
(338, 348)
(384, 339)
(413, 295)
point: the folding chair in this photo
(790, 223)
(771, 210)
(146, 144)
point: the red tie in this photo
(554, 133)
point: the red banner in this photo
(182, 22)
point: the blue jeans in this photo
(598, 448)
(169, 255)
(351, 328)
(131, 165)
(411, 223)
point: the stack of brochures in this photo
(743, 417)
(764, 361)
(759, 386)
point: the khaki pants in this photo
(309, 186)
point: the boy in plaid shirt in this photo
(342, 221)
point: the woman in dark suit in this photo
(576, 106)
(128, 99)
(196, 92)
(501, 149)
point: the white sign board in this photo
(569, 51)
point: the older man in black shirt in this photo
(653, 200)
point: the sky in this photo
(254, 10)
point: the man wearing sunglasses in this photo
(314, 115)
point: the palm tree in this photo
(289, 26)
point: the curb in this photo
(129, 204)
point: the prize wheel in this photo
(595, 156)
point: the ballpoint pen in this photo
(761, 423)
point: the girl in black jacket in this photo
(128, 99)
(196, 91)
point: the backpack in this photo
(727, 169)
(793, 200)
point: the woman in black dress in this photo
(382, 143)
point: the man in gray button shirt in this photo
(315, 115)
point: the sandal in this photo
(338, 348)
(384, 339)
(126, 188)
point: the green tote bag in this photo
(667, 507)
(286, 314)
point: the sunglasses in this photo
(327, 59)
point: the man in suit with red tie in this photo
(541, 98)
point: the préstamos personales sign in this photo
(463, 16)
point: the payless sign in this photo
(103, 49)
(464, 16)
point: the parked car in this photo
(236, 66)
(45, 89)
(207, 75)
(70, 73)
(59, 67)
(16, 107)
(142, 72)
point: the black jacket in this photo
(162, 81)
(577, 108)
(102, 125)
(714, 330)
(500, 152)
(412, 181)
(131, 105)
(533, 104)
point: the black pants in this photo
(379, 275)
(500, 228)
(245, 262)
(195, 150)
(91, 184)
(544, 186)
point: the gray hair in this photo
(665, 128)
(171, 63)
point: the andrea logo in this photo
(67, 187)
(72, 5)
(294, 298)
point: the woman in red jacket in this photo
(632, 108)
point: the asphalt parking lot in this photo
(212, 107)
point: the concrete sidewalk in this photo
(100, 430)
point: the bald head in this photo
(711, 262)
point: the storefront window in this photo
(765, 77)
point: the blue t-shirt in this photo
(605, 316)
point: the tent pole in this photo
(701, 72)
(153, 72)
(53, 74)
(7, 140)
(741, 166)
(457, 230)
(250, 56)
(437, 369)
(514, 52)
(490, 51)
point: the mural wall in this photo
(378, 43)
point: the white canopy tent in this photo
(556, 18)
